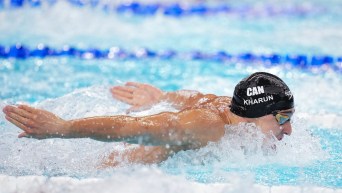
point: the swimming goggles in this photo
(283, 116)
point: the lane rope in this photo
(20, 51)
(172, 9)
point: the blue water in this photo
(74, 88)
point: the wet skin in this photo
(201, 118)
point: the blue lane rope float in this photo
(20, 51)
(174, 9)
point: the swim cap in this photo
(261, 94)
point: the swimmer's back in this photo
(217, 104)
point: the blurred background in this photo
(64, 56)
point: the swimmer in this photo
(261, 98)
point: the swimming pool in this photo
(74, 87)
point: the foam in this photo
(212, 164)
(95, 101)
(244, 147)
(153, 181)
(224, 165)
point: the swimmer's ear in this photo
(23, 134)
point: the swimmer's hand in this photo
(140, 96)
(36, 123)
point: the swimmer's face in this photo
(270, 126)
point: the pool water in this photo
(307, 161)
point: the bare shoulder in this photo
(224, 99)
(201, 126)
(211, 98)
(200, 115)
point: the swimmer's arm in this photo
(139, 155)
(142, 96)
(186, 128)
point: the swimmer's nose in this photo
(287, 128)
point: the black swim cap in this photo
(261, 94)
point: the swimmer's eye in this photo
(283, 116)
